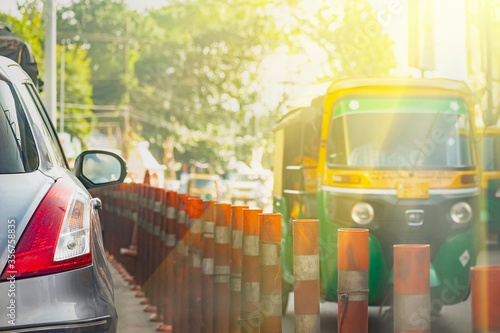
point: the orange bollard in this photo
(352, 280)
(306, 275)
(250, 273)
(412, 288)
(168, 237)
(131, 251)
(149, 226)
(237, 230)
(208, 265)
(179, 311)
(127, 227)
(270, 271)
(485, 298)
(222, 258)
(195, 212)
(156, 259)
(186, 324)
(143, 240)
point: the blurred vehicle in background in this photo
(204, 186)
(244, 187)
(54, 276)
(247, 188)
(15, 48)
(141, 161)
(489, 152)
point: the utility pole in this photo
(491, 116)
(61, 91)
(50, 59)
(421, 54)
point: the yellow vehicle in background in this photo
(203, 186)
(489, 152)
(395, 156)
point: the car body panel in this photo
(74, 296)
(77, 300)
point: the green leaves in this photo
(195, 70)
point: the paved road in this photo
(131, 318)
(453, 319)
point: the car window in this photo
(41, 122)
(18, 152)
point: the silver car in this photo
(54, 276)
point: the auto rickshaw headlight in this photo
(461, 212)
(362, 213)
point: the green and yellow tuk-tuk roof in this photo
(394, 86)
(374, 88)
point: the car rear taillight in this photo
(57, 237)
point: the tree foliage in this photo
(192, 71)
(202, 76)
(345, 37)
(77, 89)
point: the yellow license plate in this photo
(413, 190)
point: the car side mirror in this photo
(96, 168)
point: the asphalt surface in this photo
(453, 319)
(131, 317)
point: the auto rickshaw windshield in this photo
(409, 132)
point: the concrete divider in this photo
(306, 275)
(352, 280)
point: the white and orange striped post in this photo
(155, 278)
(142, 240)
(179, 311)
(412, 303)
(169, 239)
(237, 230)
(352, 280)
(250, 273)
(131, 251)
(148, 250)
(485, 299)
(306, 275)
(222, 259)
(208, 265)
(195, 212)
(270, 271)
(186, 285)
